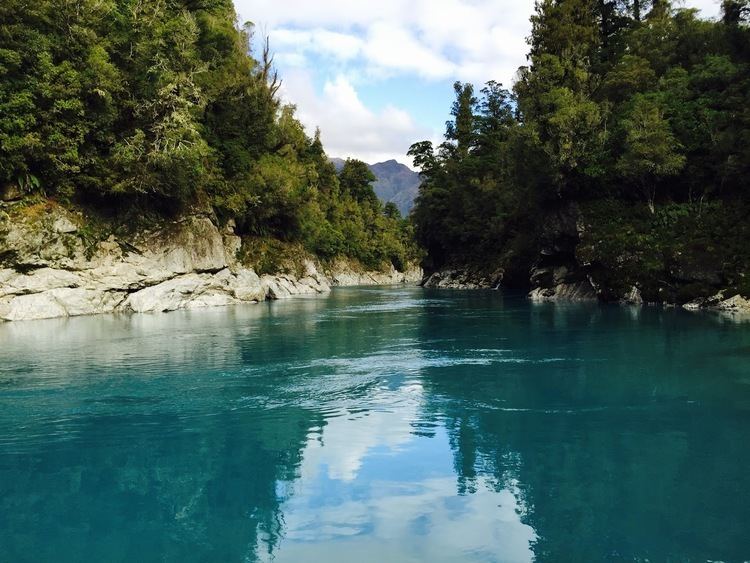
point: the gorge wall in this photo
(51, 266)
(575, 260)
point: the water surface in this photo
(377, 425)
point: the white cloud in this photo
(472, 40)
(393, 47)
(342, 46)
(486, 525)
(708, 8)
(343, 43)
(348, 127)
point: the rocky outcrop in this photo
(736, 305)
(577, 291)
(557, 274)
(281, 286)
(464, 278)
(584, 254)
(633, 297)
(342, 273)
(48, 269)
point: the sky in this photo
(377, 76)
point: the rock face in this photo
(464, 278)
(577, 291)
(557, 274)
(343, 274)
(570, 258)
(47, 269)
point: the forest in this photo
(632, 119)
(136, 109)
(630, 124)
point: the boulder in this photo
(285, 286)
(170, 295)
(633, 297)
(247, 286)
(736, 304)
(191, 245)
(63, 225)
(11, 192)
(30, 307)
(576, 291)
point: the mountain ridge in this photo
(395, 182)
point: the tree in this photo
(391, 211)
(462, 128)
(651, 151)
(145, 109)
(356, 179)
(735, 11)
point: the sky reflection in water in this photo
(376, 424)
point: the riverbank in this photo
(54, 264)
(559, 287)
(618, 255)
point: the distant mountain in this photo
(338, 163)
(396, 182)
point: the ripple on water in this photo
(465, 428)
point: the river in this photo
(377, 425)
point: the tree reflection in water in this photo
(375, 425)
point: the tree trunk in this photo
(604, 14)
(648, 189)
(652, 199)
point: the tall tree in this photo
(651, 150)
(461, 129)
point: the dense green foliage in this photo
(156, 106)
(632, 107)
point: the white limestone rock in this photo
(30, 307)
(191, 245)
(37, 281)
(633, 297)
(50, 270)
(64, 225)
(170, 295)
(246, 286)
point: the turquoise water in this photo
(377, 425)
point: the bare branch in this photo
(268, 74)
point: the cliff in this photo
(53, 264)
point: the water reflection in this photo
(376, 424)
